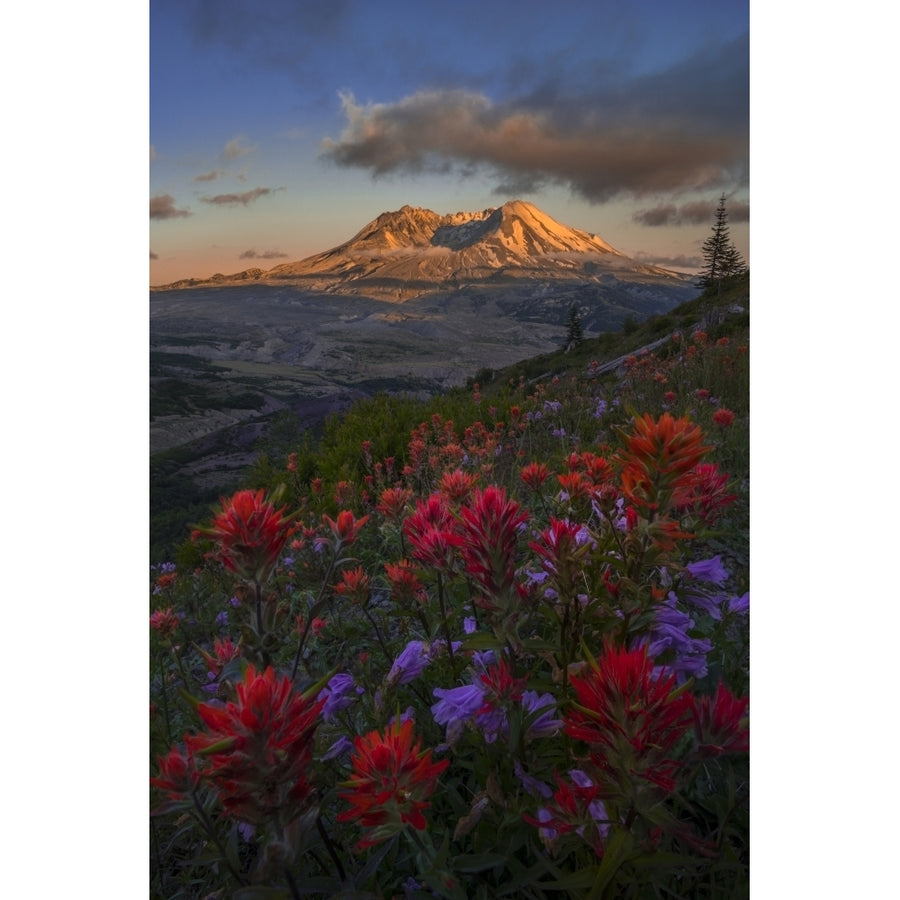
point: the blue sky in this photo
(279, 128)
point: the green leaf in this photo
(478, 862)
(258, 892)
(616, 853)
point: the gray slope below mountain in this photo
(415, 252)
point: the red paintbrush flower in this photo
(561, 550)
(630, 719)
(431, 531)
(259, 749)
(720, 723)
(391, 782)
(723, 417)
(250, 534)
(393, 502)
(164, 621)
(490, 532)
(709, 495)
(345, 529)
(457, 486)
(658, 461)
(405, 584)
(354, 585)
(178, 777)
(535, 474)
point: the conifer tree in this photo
(721, 258)
(574, 333)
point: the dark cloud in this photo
(697, 213)
(680, 130)
(238, 199)
(162, 206)
(154, 255)
(209, 176)
(265, 254)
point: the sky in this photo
(279, 128)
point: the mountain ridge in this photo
(414, 251)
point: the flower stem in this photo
(211, 831)
(309, 616)
(329, 846)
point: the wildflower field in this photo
(495, 645)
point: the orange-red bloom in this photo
(260, 748)
(723, 417)
(354, 585)
(457, 486)
(489, 532)
(720, 723)
(659, 459)
(178, 775)
(391, 782)
(164, 621)
(345, 529)
(393, 502)
(250, 534)
(405, 584)
(630, 719)
(535, 474)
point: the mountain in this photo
(414, 252)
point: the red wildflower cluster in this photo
(354, 585)
(723, 417)
(489, 542)
(630, 720)
(457, 486)
(391, 782)
(561, 556)
(258, 750)
(393, 503)
(709, 494)
(573, 807)
(250, 534)
(345, 529)
(535, 474)
(178, 777)
(658, 462)
(431, 531)
(224, 651)
(164, 621)
(720, 723)
(404, 581)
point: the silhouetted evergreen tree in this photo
(574, 333)
(721, 259)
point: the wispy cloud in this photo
(209, 176)
(265, 254)
(696, 213)
(236, 148)
(162, 206)
(238, 199)
(675, 131)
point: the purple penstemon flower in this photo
(739, 604)
(597, 808)
(710, 570)
(410, 664)
(339, 693)
(530, 783)
(545, 725)
(457, 704)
